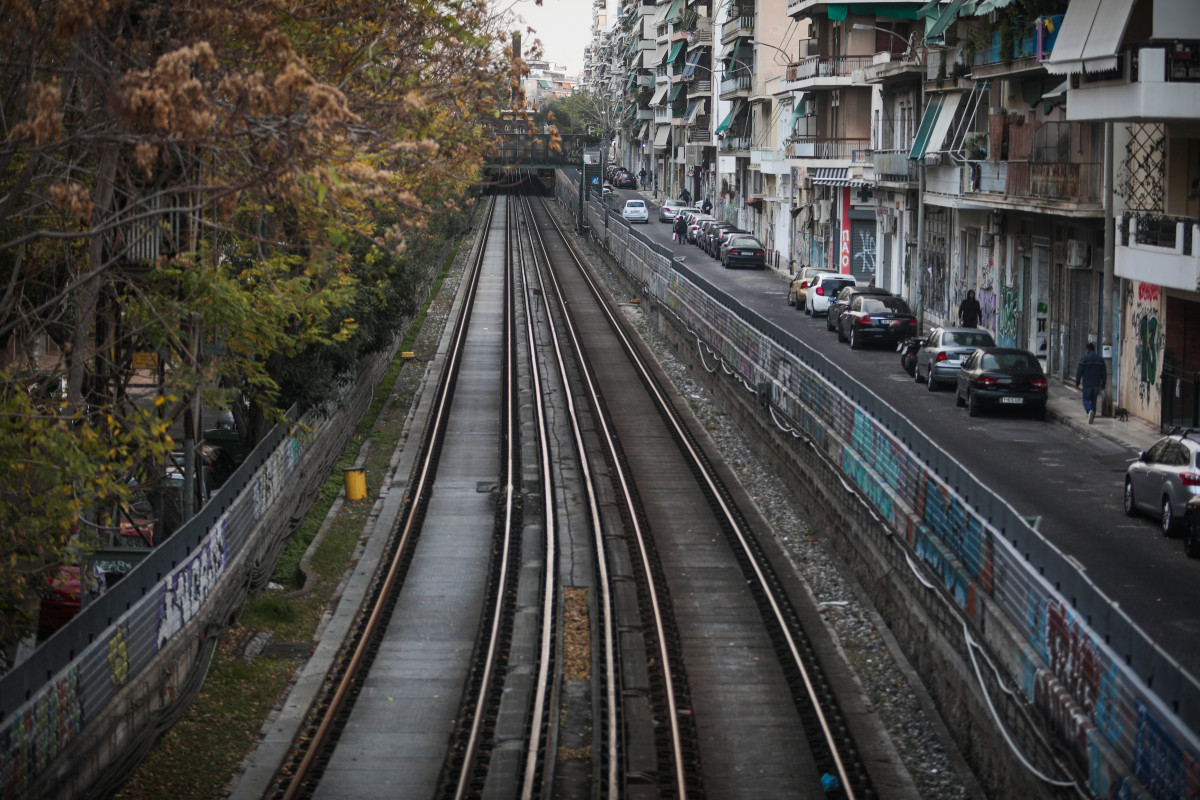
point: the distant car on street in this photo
(1002, 377)
(823, 289)
(875, 319)
(670, 209)
(943, 352)
(624, 180)
(842, 299)
(1165, 479)
(635, 211)
(799, 283)
(745, 251)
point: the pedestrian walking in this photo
(642, 177)
(969, 311)
(686, 197)
(706, 206)
(680, 228)
(1094, 377)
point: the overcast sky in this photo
(564, 26)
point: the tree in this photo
(227, 186)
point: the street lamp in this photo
(908, 43)
(786, 54)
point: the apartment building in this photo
(943, 147)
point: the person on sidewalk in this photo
(1094, 377)
(642, 178)
(680, 229)
(969, 311)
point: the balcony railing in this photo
(854, 150)
(1031, 39)
(738, 26)
(701, 131)
(737, 142)
(1054, 181)
(821, 67)
(1159, 230)
(894, 165)
(735, 84)
(662, 114)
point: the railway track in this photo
(555, 460)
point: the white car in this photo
(823, 289)
(635, 211)
(694, 226)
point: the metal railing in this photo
(847, 149)
(737, 83)
(824, 67)
(1159, 230)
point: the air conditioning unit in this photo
(808, 184)
(985, 239)
(887, 224)
(1077, 253)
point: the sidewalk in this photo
(1066, 407)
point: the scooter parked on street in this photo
(908, 349)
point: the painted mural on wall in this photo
(1008, 317)
(1143, 335)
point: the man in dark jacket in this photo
(969, 311)
(1092, 374)
(680, 228)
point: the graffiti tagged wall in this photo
(1143, 335)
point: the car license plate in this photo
(1016, 401)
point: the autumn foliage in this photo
(233, 189)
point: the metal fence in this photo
(1122, 708)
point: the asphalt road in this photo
(1070, 480)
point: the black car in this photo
(624, 180)
(871, 319)
(1002, 377)
(745, 251)
(722, 236)
(843, 298)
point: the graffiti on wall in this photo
(987, 308)
(864, 254)
(37, 733)
(1008, 317)
(1147, 338)
(183, 593)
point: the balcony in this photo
(1159, 82)
(741, 142)
(817, 72)
(894, 166)
(662, 114)
(1158, 249)
(701, 131)
(854, 151)
(737, 27)
(1026, 52)
(737, 86)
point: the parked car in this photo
(635, 211)
(1164, 479)
(799, 283)
(670, 209)
(822, 291)
(624, 180)
(744, 251)
(1002, 377)
(943, 352)
(842, 299)
(703, 232)
(871, 319)
(722, 238)
(694, 223)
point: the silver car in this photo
(944, 351)
(670, 209)
(1164, 478)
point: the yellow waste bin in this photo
(356, 483)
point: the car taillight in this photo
(820, 291)
(864, 321)
(1037, 383)
(987, 380)
(1189, 479)
(758, 252)
(942, 356)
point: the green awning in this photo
(675, 48)
(674, 11)
(921, 141)
(674, 93)
(797, 107)
(839, 11)
(725, 123)
(545, 85)
(733, 57)
(947, 18)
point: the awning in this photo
(644, 132)
(738, 105)
(674, 93)
(675, 48)
(694, 109)
(838, 11)
(732, 56)
(649, 59)
(797, 209)
(835, 176)
(666, 13)
(756, 204)
(660, 138)
(545, 85)
(1090, 36)
(660, 54)
(946, 18)
(674, 12)
(659, 94)
(692, 60)
(939, 113)
(797, 106)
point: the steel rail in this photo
(627, 493)
(605, 603)
(733, 520)
(409, 526)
